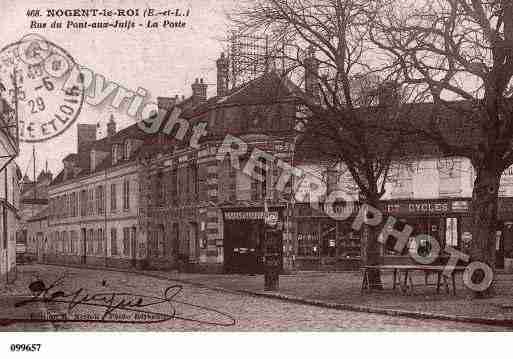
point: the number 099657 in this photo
(25, 347)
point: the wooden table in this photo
(406, 268)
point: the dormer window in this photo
(127, 149)
(115, 153)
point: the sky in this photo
(165, 62)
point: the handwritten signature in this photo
(118, 307)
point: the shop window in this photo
(348, 241)
(328, 237)
(391, 241)
(308, 238)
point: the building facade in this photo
(33, 205)
(10, 177)
(174, 198)
(93, 210)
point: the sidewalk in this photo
(343, 290)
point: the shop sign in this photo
(417, 207)
(247, 216)
(459, 206)
(428, 207)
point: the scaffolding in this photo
(249, 57)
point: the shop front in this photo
(448, 221)
(243, 237)
(504, 239)
(323, 243)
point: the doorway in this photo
(133, 245)
(243, 246)
(83, 236)
(193, 241)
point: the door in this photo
(133, 245)
(175, 238)
(243, 246)
(83, 236)
(193, 241)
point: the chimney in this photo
(111, 127)
(222, 75)
(86, 135)
(199, 91)
(311, 74)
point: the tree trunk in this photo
(484, 221)
(370, 250)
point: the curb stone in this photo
(508, 323)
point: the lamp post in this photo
(272, 249)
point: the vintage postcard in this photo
(263, 166)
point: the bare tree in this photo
(459, 54)
(325, 42)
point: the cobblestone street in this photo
(193, 306)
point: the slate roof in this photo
(458, 123)
(266, 89)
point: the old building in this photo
(10, 177)
(33, 202)
(93, 216)
(198, 209)
(35, 230)
(172, 196)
